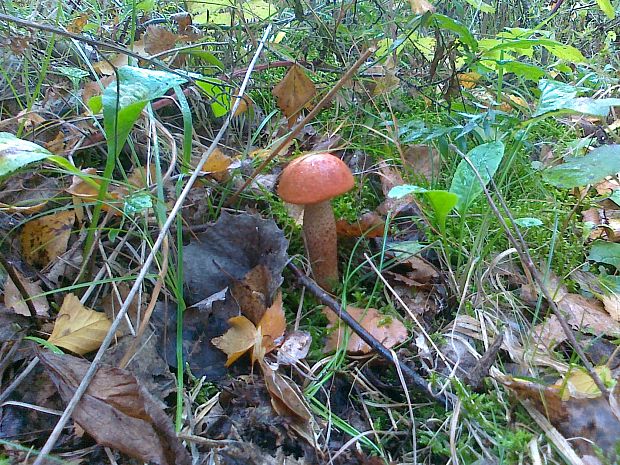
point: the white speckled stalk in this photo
(321, 243)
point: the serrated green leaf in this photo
(589, 169)
(216, 89)
(16, 153)
(124, 101)
(465, 184)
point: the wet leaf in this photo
(16, 153)
(13, 299)
(117, 411)
(386, 329)
(46, 238)
(294, 92)
(78, 328)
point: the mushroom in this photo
(312, 180)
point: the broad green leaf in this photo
(398, 192)
(217, 91)
(482, 6)
(528, 222)
(607, 8)
(445, 22)
(524, 70)
(560, 97)
(561, 51)
(206, 56)
(442, 202)
(224, 11)
(124, 101)
(16, 153)
(605, 252)
(486, 159)
(405, 249)
(589, 169)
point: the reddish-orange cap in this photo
(314, 178)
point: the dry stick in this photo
(417, 381)
(90, 373)
(18, 284)
(526, 259)
(309, 117)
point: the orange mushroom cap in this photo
(314, 178)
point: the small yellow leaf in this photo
(78, 328)
(468, 80)
(44, 239)
(419, 7)
(294, 92)
(237, 340)
(217, 162)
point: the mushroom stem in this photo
(321, 243)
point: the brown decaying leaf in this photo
(77, 25)
(581, 313)
(294, 92)
(78, 328)
(13, 298)
(243, 335)
(424, 160)
(387, 330)
(369, 225)
(390, 178)
(45, 238)
(294, 348)
(590, 422)
(158, 39)
(116, 411)
(606, 222)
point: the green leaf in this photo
(442, 202)
(16, 153)
(136, 203)
(445, 22)
(607, 8)
(589, 169)
(561, 51)
(605, 252)
(524, 70)
(124, 101)
(528, 222)
(405, 249)
(560, 97)
(480, 5)
(486, 159)
(48, 345)
(204, 55)
(216, 90)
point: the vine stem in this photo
(92, 370)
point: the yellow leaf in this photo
(78, 328)
(44, 239)
(468, 80)
(237, 340)
(217, 162)
(419, 7)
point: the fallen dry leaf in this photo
(424, 160)
(78, 328)
(294, 92)
(117, 411)
(387, 330)
(294, 348)
(419, 7)
(390, 178)
(588, 315)
(605, 222)
(468, 80)
(77, 25)
(244, 335)
(45, 238)
(13, 299)
(158, 39)
(369, 225)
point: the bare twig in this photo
(81, 389)
(416, 380)
(309, 117)
(526, 259)
(10, 269)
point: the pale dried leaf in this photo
(424, 160)
(294, 348)
(386, 329)
(419, 7)
(13, 299)
(237, 340)
(158, 39)
(588, 315)
(78, 328)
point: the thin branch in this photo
(92, 370)
(416, 380)
(10, 269)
